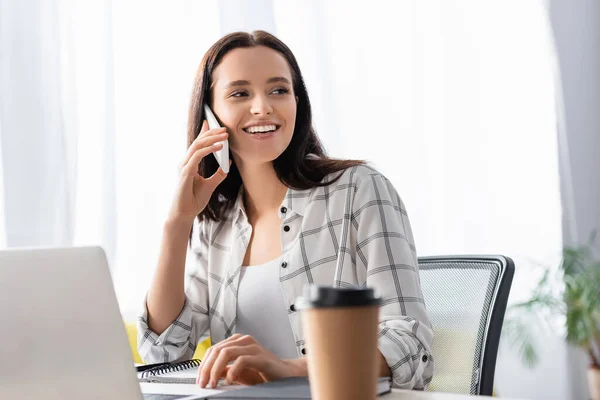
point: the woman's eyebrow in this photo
(244, 82)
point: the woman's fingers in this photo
(222, 343)
(208, 360)
(244, 363)
(205, 138)
(242, 359)
(245, 377)
(205, 372)
(202, 143)
(262, 366)
(191, 168)
(226, 355)
(189, 152)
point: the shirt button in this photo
(283, 210)
(424, 358)
(284, 265)
(292, 308)
(304, 351)
(286, 228)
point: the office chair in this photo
(466, 299)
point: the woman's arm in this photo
(166, 296)
(385, 249)
(168, 312)
(170, 328)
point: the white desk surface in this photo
(398, 394)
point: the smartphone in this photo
(222, 155)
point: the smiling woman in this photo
(285, 215)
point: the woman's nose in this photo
(261, 105)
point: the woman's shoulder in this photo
(355, 176)
(367, 183)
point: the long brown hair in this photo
(293, 167)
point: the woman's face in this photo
(253, 98)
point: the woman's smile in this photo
(262, 131)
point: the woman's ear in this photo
(297, 99)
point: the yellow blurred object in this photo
(454, 349)
(131, 329)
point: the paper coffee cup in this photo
(341, 332)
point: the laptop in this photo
(62, 334)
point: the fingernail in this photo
(212, 384)
(201, 383)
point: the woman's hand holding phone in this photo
(166, 297)
(194, 191)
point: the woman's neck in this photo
(264, 192)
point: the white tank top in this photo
(261, 310)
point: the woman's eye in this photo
(243, 93)
(281, 90)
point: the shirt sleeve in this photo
(178, 342)
(385, 248)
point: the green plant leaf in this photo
(571, 292)
(517, 334)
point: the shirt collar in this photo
(296, 200)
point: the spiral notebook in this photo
(178, 372)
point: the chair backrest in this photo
(466, 299)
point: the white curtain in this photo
(453, 101)
(36, 199)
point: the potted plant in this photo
(569, 296)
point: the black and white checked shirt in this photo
(352, 233)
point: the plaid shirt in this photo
(351, 233)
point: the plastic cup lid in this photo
(320, 296)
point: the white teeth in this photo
(261, 129)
